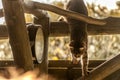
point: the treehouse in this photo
(27, 38)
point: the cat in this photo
(78, 35)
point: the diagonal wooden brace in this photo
(105, 69)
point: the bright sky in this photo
(110, 4)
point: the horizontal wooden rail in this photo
(112, 27)
(55, 63)
(61, 69)
(58, 29)
(64, 70)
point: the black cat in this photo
(78, 35)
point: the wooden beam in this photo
(18, 37)
(112, 27)
(62, 69)
(105, 69)
(34, 8)
(58, 29)
(55, 63)
(113, 76)
(71, 14)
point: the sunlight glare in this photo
(110, 4)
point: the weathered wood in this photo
(71, 14)
(55, 63)
(105, 69)
(62, 28)
(112, 27)
(113, 76)
(18, 37)
(60, 69)
(67, 63)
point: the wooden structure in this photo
(64, 69)
(16, 29)
(18, 36)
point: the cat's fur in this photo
(78, 35)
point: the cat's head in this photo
(77, 52)
(77, 48)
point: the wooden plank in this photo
(113, 76)
(58, 29)
(67, 63)
(55, 63)
(60, 11)
(65, 74)
(67, 71)
(18, 37)
(60, 72)
(112, 27)
(105, 69)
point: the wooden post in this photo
(44, 21)
(18, 36)
(105, 69)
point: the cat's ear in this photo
(61, 18)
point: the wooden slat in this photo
(53, 63)
(58, 29)
(112, 27)
(113, 76)
(65, 74)
(67, 63)
(63, 71)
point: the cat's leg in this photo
(84, 64)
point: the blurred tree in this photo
(98, 11)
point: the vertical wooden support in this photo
(18, 36)
(44, 21)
